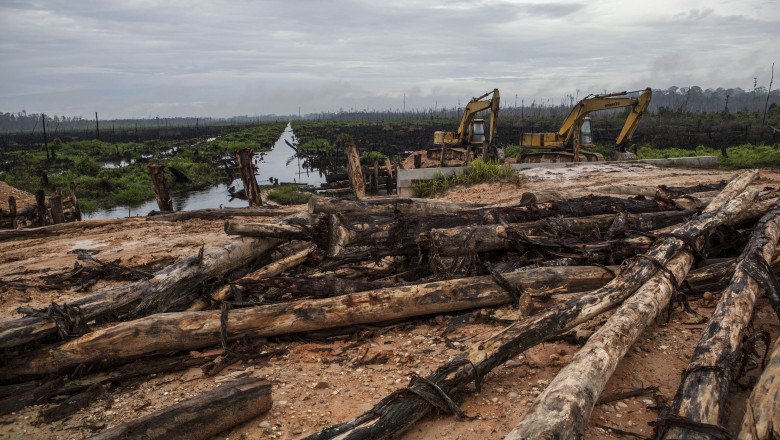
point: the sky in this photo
(147, 58)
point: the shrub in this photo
(479, 171)
(289, 195)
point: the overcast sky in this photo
(135, 58)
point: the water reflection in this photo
(280, 163)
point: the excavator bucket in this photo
(623, 155)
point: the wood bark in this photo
(216, 214)
(201, 417)
(247, 171)
(170, 287)
(40, 208)
(168, 332)
(703, 390)
(354, 171)
(64, 228)
(393, 416)
(75, 201)
(484, 238)
(55, 202)
(762, 412)
(267, 230)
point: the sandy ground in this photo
(23, 198)
(317, 382)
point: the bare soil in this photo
(318, 382)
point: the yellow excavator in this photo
(473, 133)
(566, 144)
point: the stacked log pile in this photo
(47, 211)
(562, 262)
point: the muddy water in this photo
(278, 163)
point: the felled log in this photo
(703, 390)
(762, 412)
(170, 287)
(201, 417)
(216, 214)
(64, 228)
(166, 332)
(483, 238)
(393, 416)
(386, 206)
(266, 230)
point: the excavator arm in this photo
(475, 106)
(608, 101)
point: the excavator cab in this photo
(477, 132)
(586, 134)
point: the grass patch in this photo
(479, 172)
(289, 195)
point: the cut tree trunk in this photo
(266, 230)
(216, 214)
(57, 215)
(168, 332)
(484, 238)
(64, 228)
(161, 193)
(393, 416)
(40, 208)
(170, 287)
(762, 412)
(247, 171)
(201, 417)
(354, 171)
(703, 390)
(12, 210)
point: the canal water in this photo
(279, 163)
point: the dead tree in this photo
(200, 417)
(247, 171)
(12, 210)
(55, 202)
(40, 208)
(216, 214)
(161, 193)
(354, 170)
(702, 393)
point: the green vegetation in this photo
(739, 156)
(369, 157)
(480, 171)
(289, 195)
(316, 146)
(112, 174)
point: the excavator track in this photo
(559, 156)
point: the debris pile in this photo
(595, 270)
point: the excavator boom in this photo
(567, 138)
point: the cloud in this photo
(223, 57)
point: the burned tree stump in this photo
(247, 171)
(161, 193)
(40, 208)
(354, 171)
(75, 201)
(57, 216)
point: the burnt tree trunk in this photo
(75, 201)
(55, 202)
(266, 230)
(703, 390)
(216, 214)
(161, 193)
(247, 171)
(200, 417)
(40, 208)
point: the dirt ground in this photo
(23, 198)
(318, 382)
